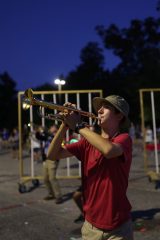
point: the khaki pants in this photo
(50, 180)
(124, 232)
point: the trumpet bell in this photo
(28, 94)
(31, 100)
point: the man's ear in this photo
(120, 116)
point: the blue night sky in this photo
(41, 39)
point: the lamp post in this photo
(59, 83)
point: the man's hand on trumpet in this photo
(71, 118)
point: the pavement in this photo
(27, 216)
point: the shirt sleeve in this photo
(126, 142)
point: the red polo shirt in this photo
(104, 183)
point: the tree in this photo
(8, 101)
(90, 73)
(158, 6)
(138, 49)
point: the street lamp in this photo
(59, 82)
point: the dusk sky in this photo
(41, 39)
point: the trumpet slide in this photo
(29, 99)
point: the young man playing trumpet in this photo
(106, 160)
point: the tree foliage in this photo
(8, 101)
(90, 73)
(138, 49)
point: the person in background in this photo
(148, 135)
(132, 132)
(5, 138)
(78, 199)
(36, 145)
(42, 135)
(14, 140)
(25, 136)
(50, 170)
(105, 159)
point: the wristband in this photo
(79, 126)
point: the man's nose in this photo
(100, 110)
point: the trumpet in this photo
(29, 99)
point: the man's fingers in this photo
(68, 104)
